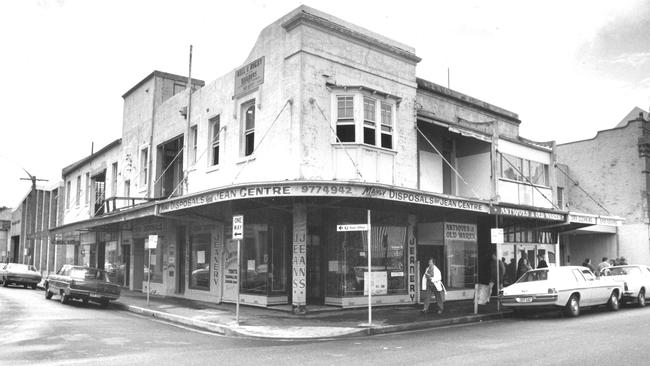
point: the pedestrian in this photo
(622, 261)
(541, 262)
(496, 265)
(523, 267)
(603, 264)
(587, 263)
(433, 279)
(612, 262)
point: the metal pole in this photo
(238, 280)
(496, 221)
(369, 271)
(148, 276)
(189, 114)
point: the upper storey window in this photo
(249, 128)
(518, 169)
(345, 129)
(374, 125)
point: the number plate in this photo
(524, 299)
(94, 295)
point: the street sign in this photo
(153, 242)
(496, 236)
(238, 227)
(352, 227)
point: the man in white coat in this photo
(433, 279)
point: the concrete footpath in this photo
(320, 322)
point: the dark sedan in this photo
(19, 274)
(83, 283)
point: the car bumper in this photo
(530, 301)
(82, 294)
(19, 280)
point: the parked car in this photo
(83, 283)
(635, 279)
(570, 288)
(19, 274)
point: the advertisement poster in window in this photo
(230, 280)
(379, 283)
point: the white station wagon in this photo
(569, 288)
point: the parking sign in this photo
(238, 227)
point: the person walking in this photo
(587, 263)
(603, 264)
(523, 267)
(541, 262)
(433, 279)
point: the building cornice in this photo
(303, 17)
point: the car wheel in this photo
(573, 306)
(48, 294)
(613, 303)
(640, 299)
(64, 298)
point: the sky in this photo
(567, 68)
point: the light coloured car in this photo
(635, 279)
(19, 275)
(570, 288)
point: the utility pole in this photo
(186, 142)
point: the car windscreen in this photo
(536, 275)
(19, 267)
(622, 271)
(88, 274)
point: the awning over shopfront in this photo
(581, 223)
(144, 210)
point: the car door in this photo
(599, 289)
(583, 287)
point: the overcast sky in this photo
(568, 68)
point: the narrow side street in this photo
(40, 332)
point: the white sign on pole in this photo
(352, 227)
(153, 242)
(238, 227)
(496, 236)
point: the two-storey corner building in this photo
(608, 175)
(324, 126)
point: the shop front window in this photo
(200, 261)
(264, 258)
(348, 254)
(111, 263)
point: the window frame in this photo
(143, 177)
(363, 121)
(194, 140)
(68, 194)
(78, 191)
(214, 142)
(87, 192)
(245, 131)
(114, 173)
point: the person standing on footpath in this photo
(603, 264)
(587, 263)
(541, 262)
(433, 279)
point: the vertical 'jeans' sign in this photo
(299, 262)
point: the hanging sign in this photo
(496, 236)
(152, 243)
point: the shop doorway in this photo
(124, 270)
(315, 268)
(180, 259)
(15, 248)
(138, 263)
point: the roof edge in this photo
(164, 75)
(77, 164)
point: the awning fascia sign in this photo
(528, 214)
(323, 189)
(581, 218)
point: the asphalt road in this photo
(36, 331)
